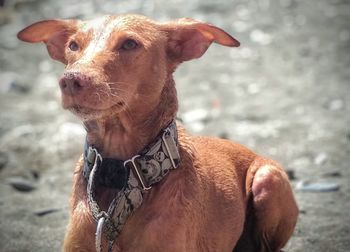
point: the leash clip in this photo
(103, 220)
(98, 234)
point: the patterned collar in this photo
(132, 177)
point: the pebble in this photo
(240, 26)
(253, 88)
(7, 80)
(317, 187)
(3, 160)
(195, 115)
(46, 82)
(69, 129)
(260, 37)
(21, 184)
(321, 158)
(243, 13)
(45, 66)
(9, 83)
(46, 212)
(35, 174)
(302, 211)
(291, 174)
(332, 174)
(66, 140)
(224, 135)
(197, 127)
(336, 105)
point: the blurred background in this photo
(285, 93)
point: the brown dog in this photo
(118, 80)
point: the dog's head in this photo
(114, 63)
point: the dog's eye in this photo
(73, 46)
(129, 44)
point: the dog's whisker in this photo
(117, 82)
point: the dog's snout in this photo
(72, 83)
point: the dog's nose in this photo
(72, 83)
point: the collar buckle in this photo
(137, 172)
(171, 148)
(92, 158)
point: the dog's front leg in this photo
(80, 234)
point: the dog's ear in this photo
(189, 39)
(54, 33)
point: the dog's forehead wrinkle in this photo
(101, 29)
(104, 29)
(123, 23)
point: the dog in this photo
(208, 194)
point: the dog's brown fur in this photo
(223, 197)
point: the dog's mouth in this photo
(88, 113)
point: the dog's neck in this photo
(126, 134)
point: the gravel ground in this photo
(284, 93)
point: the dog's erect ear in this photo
(54, 33)
(189, 39)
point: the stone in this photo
(333, 174)
(3, 160)
(336, 104)
(44, 212)
(260, 37)
(321, 158)
(9, 83)
(7, 80)
(21, 184)
(194, 115)
(291, 174)
(317, 187)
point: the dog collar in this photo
(133, 177)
